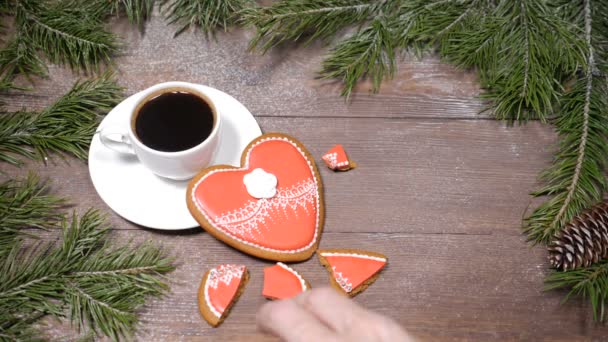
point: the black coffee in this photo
(174, 121)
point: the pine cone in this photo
(583, 241)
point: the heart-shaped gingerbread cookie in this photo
(270, 207)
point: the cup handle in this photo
(116, 139)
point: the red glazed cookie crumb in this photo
(337, 160)
(282, 282)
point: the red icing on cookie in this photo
(281, 282)
(350, 271)
(222, 285)
(336, 158)
(286, 221)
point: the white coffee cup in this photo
(180, 165)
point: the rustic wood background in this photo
(440, 189)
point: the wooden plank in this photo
(414, 175)
(438, 286)
(281, 83)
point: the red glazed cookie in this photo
(220, 289)
(282, 282)
(352, 271)
(270, 207)
(337, 160)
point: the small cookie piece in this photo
(270, 207)
(351, 270)
(282, 281)
(337, 160)
(220, 288)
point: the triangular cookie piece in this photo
(282, 281)
(220, 288)
(337, 160)
(352, 271)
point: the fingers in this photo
(290, 321)
(334, 309)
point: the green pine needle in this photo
(292, 20)
(78, 41)
(577, 179)
(98, 287)
(368, 53)
(20, 57)
(536, 51)
(24, 204)
(138, 12)
(67, 126)
(208, 15)
(590, 283)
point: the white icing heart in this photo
(260, 184)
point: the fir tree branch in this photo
(577, 179)
(67, 126)
(590, 283)
(25, 204)
(78, 41)
(526, 82)
(581, 152)
(368, 53)
(100, 287)
(291, 20)
(20, 57)
(136, 11)
(208, 15)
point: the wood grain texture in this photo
(439, 189)
(415, 175)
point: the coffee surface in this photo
(174, 121)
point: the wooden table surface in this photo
(440, 189)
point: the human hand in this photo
(325, 315)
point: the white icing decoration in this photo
(342, 280)
(221, 274)
(362, 256)
(318, 205)
(332, 159)
(292, 271)
(260, 184)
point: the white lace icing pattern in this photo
(332, 159)
(250, 220)
(342, 280)
(222, 274)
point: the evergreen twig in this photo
(208, 15)
(98, 287)
(576, 180)
(65, 38)
(590, 283)
(292, 20)
(25, 204)
(368, 53)
(67, 126)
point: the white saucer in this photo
(143, 198)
